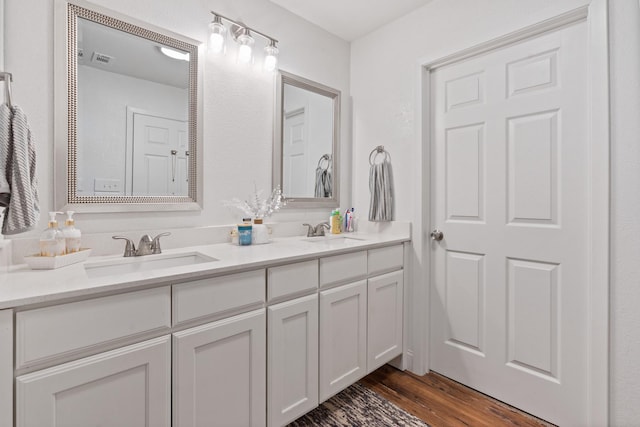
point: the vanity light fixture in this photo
(245, 48)
(243, 35)
(217, 35)
(271, 56)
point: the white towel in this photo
(381, 189)
(23, 211)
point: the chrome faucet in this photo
(147, 245)
(316, 231)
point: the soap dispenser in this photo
(52, 241)
(72, 235)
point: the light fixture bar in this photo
(241, 25)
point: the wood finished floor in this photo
(441, 402)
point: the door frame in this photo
(596, 16)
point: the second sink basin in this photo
(144, 263)
(332, 239)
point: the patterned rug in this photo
(358, 406)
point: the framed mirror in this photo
(306, 142)
(128, 126)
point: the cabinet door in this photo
(385, 317)
(293, 359)
(219, 373)
(343, 337)
(6, 368)
(128, 387)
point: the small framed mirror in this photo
(306, 142)
(127, 113)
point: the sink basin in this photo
(332, 239)
(144, 263)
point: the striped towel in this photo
(323, 182)
(381, 189)
(5, 135)
(23, 210)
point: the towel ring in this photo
(7, 78)
(326, 157)
(379, 150)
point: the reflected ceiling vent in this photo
(101, 58)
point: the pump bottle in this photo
(52, 242)
(72, 235)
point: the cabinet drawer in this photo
(385, 259)
(49, 332)
(230, 294)
(292, 279)
(343, 268)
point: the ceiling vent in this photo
(101, 58)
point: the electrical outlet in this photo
(107, 185)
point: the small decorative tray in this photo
(37, 262)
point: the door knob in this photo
(437, 235)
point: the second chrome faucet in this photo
(147, 245)
(318, 230)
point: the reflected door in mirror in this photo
(160, 153)
(296, 159)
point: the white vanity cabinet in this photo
(385, 305)
(124, 385)
(343, 337)
(219, 373)
(130, 386)
(219, 368)
(247, 348)
(6, 368)
(293, 342)
(385, 319)
(361, 322)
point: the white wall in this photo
(625, 212)
(102, 120)
(384, 89)
(238, 101)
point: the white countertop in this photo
(21, 286)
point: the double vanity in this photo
(213, 334)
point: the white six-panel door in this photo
(160, 156)
(509, 179)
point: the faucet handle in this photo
(155, 244)
(319, 230)
(310, 230)
(129, 249)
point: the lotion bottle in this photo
(259, 234)
(72, 235)
(52, 241)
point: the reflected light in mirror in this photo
(171, 53)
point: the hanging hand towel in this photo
(381, 189)
(323, 182)
(5, 136)
(23, 211)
